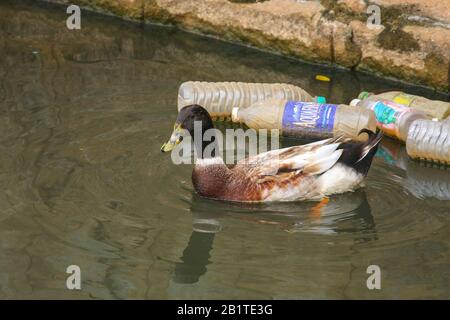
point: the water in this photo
(82, 117)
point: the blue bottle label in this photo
(308, 118)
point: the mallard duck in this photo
(304, 172)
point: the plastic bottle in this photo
(220, 97)
(394, 119)
(429, 140)
(433, 108)
(306, 119)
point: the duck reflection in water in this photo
(196, 255)
(348, 214)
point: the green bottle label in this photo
(384, 113)
(387, 114)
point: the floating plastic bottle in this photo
(394, 119)
(429, 140)
(433, 108)
(306, 119)
(218, 98)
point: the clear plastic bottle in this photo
(429, 140)
(433, 108)
(394, 119)
(306, 119)
(220, 97)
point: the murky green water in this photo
(82, 117)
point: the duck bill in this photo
(174, 140)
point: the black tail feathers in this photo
(359, 155)
(371, 143)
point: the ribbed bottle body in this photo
(219, 98)
(429, 140)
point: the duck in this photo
(312, 171)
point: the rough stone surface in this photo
(434, 9)
(354, 5)
(412, 43)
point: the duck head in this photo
(188, 118)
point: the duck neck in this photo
(206, 139)
(207, 149)
(206, 144)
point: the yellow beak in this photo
(174, 140)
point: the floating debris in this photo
(433, 108)
(322, 78)
(306, 119)
(219, 98)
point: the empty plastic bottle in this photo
(306, 119)
(218, 98)
(394, 119)
(433, 108)
(429, 140)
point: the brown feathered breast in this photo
(240, 183)
(218, 182)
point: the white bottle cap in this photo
(234, 114)
(355, 102)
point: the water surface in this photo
(82, 180)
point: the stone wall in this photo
(411, 44)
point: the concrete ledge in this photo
(412, 44)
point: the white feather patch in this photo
(323, 163)
(209, 161)
(339, 179)
(307, 159)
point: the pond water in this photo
(83, 182)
